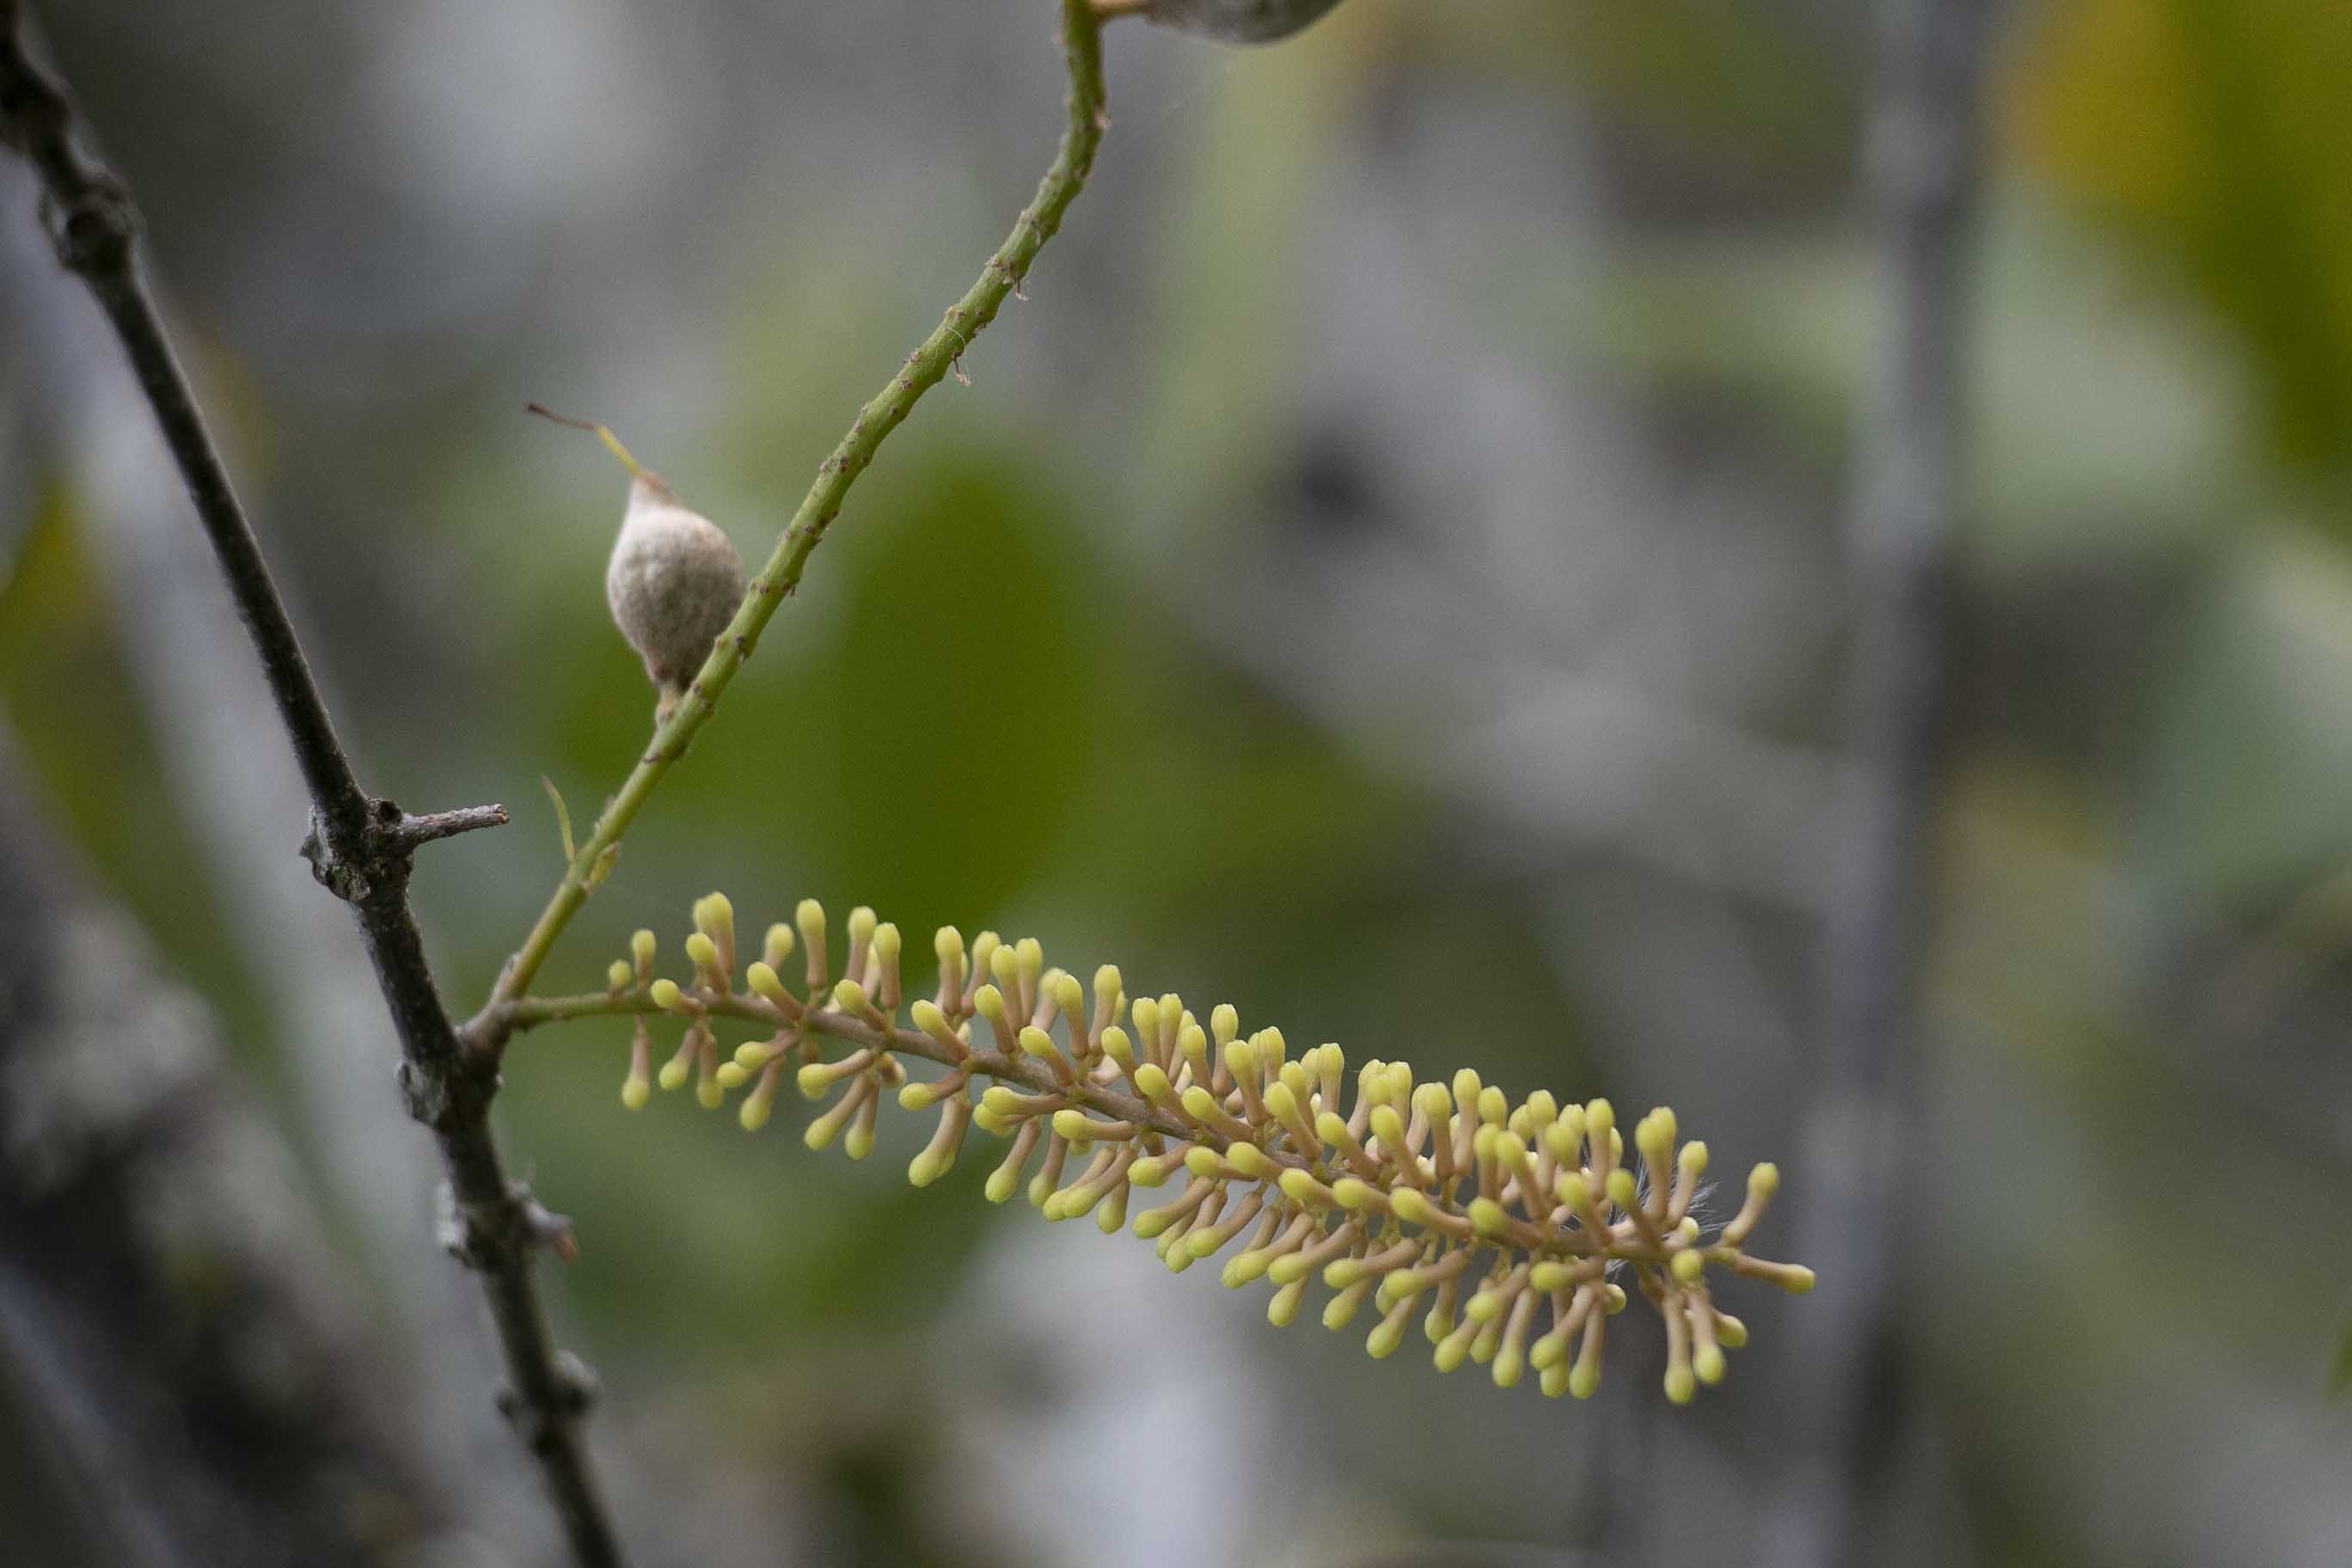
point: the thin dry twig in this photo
(359, 847)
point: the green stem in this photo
(924, 369)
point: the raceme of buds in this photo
(1502, 1229)
(1227, 21)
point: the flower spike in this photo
(1497, 1225)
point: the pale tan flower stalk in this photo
(1498, 1225)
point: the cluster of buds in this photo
(1502, 1229)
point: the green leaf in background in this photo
(2218, 134)
(933, 740)
(2249, 782)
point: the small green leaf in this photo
(2339, 1374)
(562, 818)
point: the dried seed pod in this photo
(675, 580)
(673, 584)
(1227, 21)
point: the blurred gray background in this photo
(1389, 575)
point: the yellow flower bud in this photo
(764, 983)
(1301, 1188)
(753, 1113)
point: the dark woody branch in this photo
(359, 847)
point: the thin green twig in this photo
(924, 369)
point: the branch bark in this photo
(359, 847)
(176, 1329)
(1836, 1397)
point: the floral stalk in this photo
(1504, 1228)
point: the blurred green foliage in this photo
(1013, 692)
(2218, 135)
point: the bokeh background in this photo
(1391, 575)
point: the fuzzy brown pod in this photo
(1227, 21)
(674, 583)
